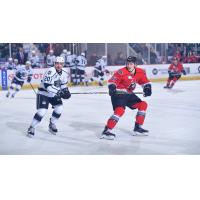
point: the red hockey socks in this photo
(141, 106)
(119, 111)
(173, 82)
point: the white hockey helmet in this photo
(83, 54)
(65, 51)
(15, 60)
(59, 59)
(28, 63)
(10, 59)
(69, 53)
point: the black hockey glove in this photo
(147, 90)
(184, 72)
(57, 97)
(170, 73)
(65, 94)
(101, 74)
(29, 79)
(112, 89)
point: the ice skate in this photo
(166, 87)
(31, 132)
(100, 84)
(139, 131)
(106, 134)
(8, 94)
(13, 95)
(52, 128)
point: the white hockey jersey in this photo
(9, 65)
(53, 82)
(34, 61)
(70, 60)
(81, 62)
(100, 65)
(50, 60)
(21, 73)
(64, 55)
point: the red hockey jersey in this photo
(176, 68)
(125, 81)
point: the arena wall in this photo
(156, 73)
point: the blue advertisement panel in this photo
(4, 80)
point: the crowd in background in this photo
(185, 52)
(146, 53)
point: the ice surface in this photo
(173, 119)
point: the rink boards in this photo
(156, 73)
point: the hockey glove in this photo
(101, 74)
(65, 94)
(29, 79)
(107, 71)
(184, 72)
(112, 89)
(147, 90)
(57, 97)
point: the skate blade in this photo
(29, 135)
(107, 137)
(53, 133)
(139, 134)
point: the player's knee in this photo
(119, 111)
(58, 109)
(143, 105)
(40, 114)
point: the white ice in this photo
(173, 119)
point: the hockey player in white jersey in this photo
(64, 55)
(52, 90)
(15, 63)
(9, 65)
(50, 58)
(22, 73)
(81, 62)
(71, 58)
(34, 59)
(99, 70)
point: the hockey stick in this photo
(101, 93)
(33, 88)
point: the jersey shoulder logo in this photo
(49, 72)
(120, 72)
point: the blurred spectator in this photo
(4, 50)
(140, 60)
(153, 56)
(177, 55)
(120, 59)
(21, 56)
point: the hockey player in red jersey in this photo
(175, 70)
(121, 87)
